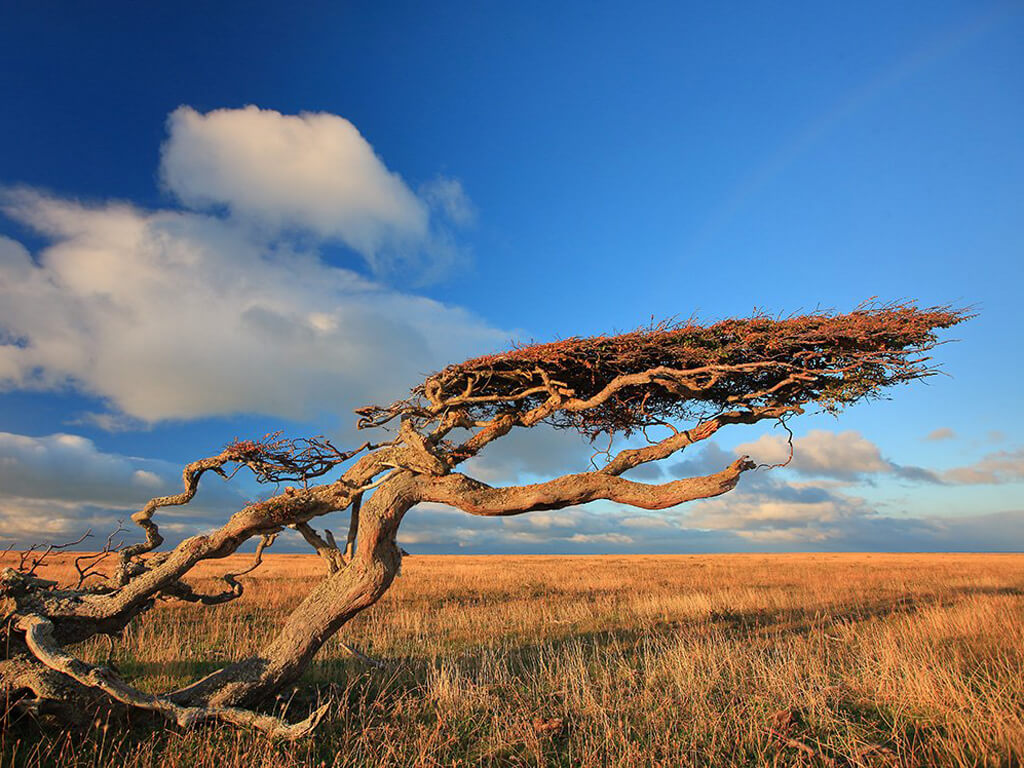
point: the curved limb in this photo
(325, 546)
(183, 591)
(478, 498)
(634, 457)
(190, 477)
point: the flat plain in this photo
(717, 660)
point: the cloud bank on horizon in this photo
(57, 486)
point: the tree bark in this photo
(328, 607)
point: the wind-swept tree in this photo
(691, 380)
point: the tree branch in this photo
(633, 457)
(182, 591)
(353, 527)
(327, 550)
(478, 498)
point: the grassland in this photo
(850, 660)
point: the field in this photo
(847, 660)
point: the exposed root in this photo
(39, 637)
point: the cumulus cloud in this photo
(311, 171)
(438, 528)
(942, 433)
(44, 521)
(770, 509)
(992, 469)
(765, 507)
(648, 522)
(538, 453)
(843, 455)
(179, 315)
(850, 456)
(229, 307)
(71, 468)
(602, 538)
(778, 511)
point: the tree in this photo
(688, 379)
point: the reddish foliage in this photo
(838, 359)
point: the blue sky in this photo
(218, 220)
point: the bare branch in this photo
(39, 559)
(182, 591)
(353, 527)
(86, 564)
(478, 498)
(326, 549)
(633, 457)
(789, 441)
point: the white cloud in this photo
(942, 433)
(538, 453)
(756, 515)
(43, 521)
(448, 196)
(844, 455)
(71, 468)
(311, 171)
(556, 519)
(601, 538)
(179, 315)
(851, 456)
(175, 314)
(146, 479)
(764, 507)
(645, 522)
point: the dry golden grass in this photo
(857, 660)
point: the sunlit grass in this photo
(617, 661)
